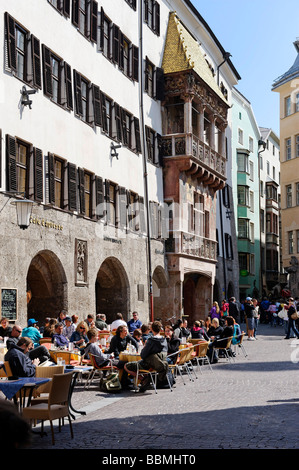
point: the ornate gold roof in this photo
(182, 52)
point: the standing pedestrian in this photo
(248, 310)
(291, 323)
(234, 309)
(256, 316)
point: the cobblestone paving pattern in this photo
(249, 404)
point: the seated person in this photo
(49, 329)
(100, 322)
(58, 338)
(120, 341)
(137, 334)
(79, 337)
(198, 332)
(145, 330)
(32, 331)
(20, 363)
(134, 323)
(215, 329)
(102, 359)
(153, 356)
(68, 328)
(5, 329)
(221, 340)
(40, 352)
(173, 344)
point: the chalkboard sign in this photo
(9, 303)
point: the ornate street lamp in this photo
(23, 208)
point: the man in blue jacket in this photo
(134, 323)
(20, 363)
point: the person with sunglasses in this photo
(79, 337)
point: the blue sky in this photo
(259, 34)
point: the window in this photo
(85, 18)
(105, 35)
(149, 78)
(297, 145)
(297, 238)
(240, 136)
(262, 188)
(297, 102)
(287, 106)
(57, 79)
(289, 195)
(243, 162)
(85, 192)
(251, 227)
(271, 191)
(251, 144)
(23, 53)
(297, 194)
(226, 196)
(275, 224)
(273, 172)
(243, 228)
(288, 148)
(273, 150)
(58, 182)
(126, 118)
(262, 221)
(132, 4)
(243, 262)
(24, 168)
(107, 114)
(83, 98)
(291, 242)
(251, 195)
(63, 6)
(228, 246)
(152, 15)
(243, 195)
(110, 198)
(251, 171)
(268, 168)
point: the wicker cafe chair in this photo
(224, 346)
(56, 407)
(200, 356)
(41, 394)
(97, 370)
(46, 340)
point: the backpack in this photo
(110, 383)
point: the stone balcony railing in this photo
(188, 244)
(177, 145)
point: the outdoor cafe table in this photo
(10, 388)
(76, 370)
(65, 354)
(127, 357)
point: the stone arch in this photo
(47, 285)
(196, 296)
(112, 289)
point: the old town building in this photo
(287, 87)
(114, 123)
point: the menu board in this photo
(9, 303)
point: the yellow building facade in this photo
(288, 87)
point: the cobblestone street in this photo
(249, 404)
